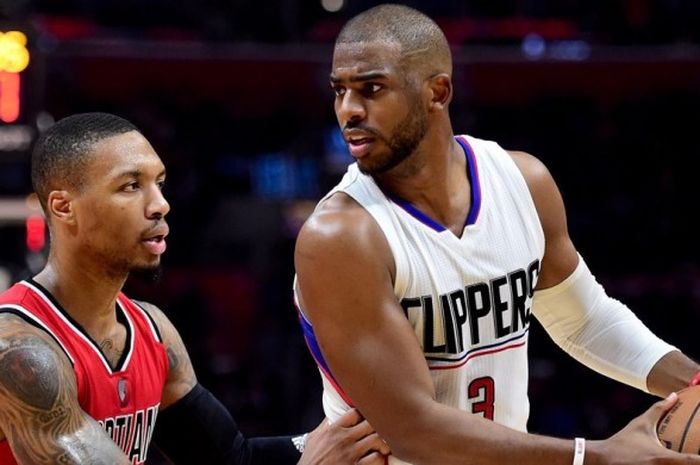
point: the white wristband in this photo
(579, 451)
(300, 442)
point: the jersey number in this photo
(482, 389)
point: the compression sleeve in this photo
(597, 330)
(198, 429)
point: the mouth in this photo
(155, 240)
(359, 144)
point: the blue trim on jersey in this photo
(417, 214)
(473, 173)
(310, 337)
(478, 349)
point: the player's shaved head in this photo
(423, 46)
(62, 152)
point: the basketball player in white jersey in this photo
(417, 274)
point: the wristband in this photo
(579, 450)
(300, 442)
(696, 380)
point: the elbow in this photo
(412, 440)
(411, 451)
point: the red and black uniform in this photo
(125, 399)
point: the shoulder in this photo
(30, 362)
(152, 310)
(181, 377)
(163, 324)
(341, 228)
(532, 168)
(335, 213)
(16, 331)
(540, 183)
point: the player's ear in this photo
(440, 87)
(59, 207)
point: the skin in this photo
(341, 249)
(97, 239)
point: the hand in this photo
(348, 441)
(638, 444)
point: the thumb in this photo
(660, 408)
(349, 418)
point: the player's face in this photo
(379, 109)
(120, 209)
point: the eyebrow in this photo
(368, 76)
(136, 174)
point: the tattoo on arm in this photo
(40, 415)
(181, 376)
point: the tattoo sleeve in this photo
(181, 376)
(39, 411)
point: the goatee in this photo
(149, 275)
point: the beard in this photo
(407, 135)
(149, 274)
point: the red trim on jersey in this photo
(479, 354)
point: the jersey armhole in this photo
(151, 321)
(35, 322)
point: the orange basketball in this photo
(679, 429)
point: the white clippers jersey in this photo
(468, 299)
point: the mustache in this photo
(159, 226)
(363, 127)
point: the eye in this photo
(161, 184)
(131, 187)
(371, 88)
(338, 90)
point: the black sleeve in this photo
(198, 429)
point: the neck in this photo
(433, 171)
(433, 179)
(87, 293)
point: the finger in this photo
(371, 443)
(375, 458)
(349, 418)
(659, 408)
(361, 430)
(324, 425)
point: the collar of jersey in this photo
(472, 173)
(77, 327)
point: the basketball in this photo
(679, 429)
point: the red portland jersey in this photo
(123, 400)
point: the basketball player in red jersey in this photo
(85, 372)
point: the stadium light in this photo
(14, 58)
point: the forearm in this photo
(446, 436)
(277, 450)
(199, 429)
(85, 445)
(671, 373)
(600, 332)
(90, 445)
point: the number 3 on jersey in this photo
(483, 391)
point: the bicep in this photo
(181, 376)
(369, 345)
(560, 257)
(40, 414)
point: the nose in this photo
(350, 108)
(157, 206)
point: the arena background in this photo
(234, 96)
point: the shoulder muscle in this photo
(41, 417)
(560, 257)
(181, 376)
